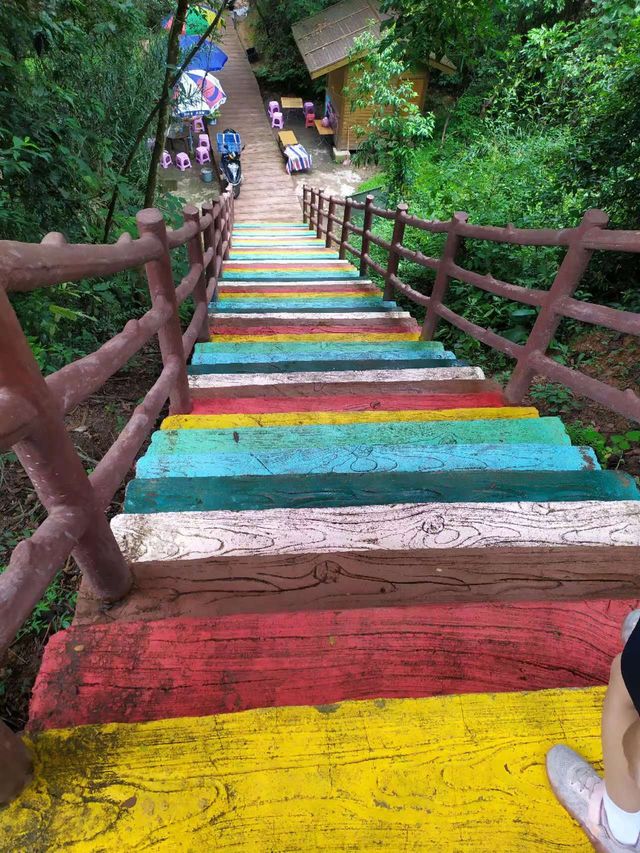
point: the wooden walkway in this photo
(268, 193)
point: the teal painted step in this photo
(274, 353)
(550, 431)
(445, 359)
(280, 254)
(284, 274)
(369, 458)
(273, 302)
(183, 494)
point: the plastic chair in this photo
(204, 141)
(274, 107)
(277, 120)
(182, 161)
(165, 160)
(198, 125)
(309, 119)
(202, 154)
(309, 107)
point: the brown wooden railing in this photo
(554, 304)
(32, 408)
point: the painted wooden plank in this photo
(239, 287)
(286, 317)
(403, 527)
(286, 295)
(318, 337)
(235, 421)
(280, 254)
(135, 672)
(274, 351)
(194, 493)
(368, 458)
(270, 226)
(293, 272)
(434, 433)
(389, 400)
(324, 303)
(214, 586)
(319, 328)
(285, 264)
(435, 360)
(436, 374)
(287, 284)
(448, 773)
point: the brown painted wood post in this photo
(50, 460)
(366, 226)
(331, 212)
(567, 279)
(443, 277)
(344, 234)
(162, 288)
(16, 765)
(229, 217)
(305, 200)
(320, 214)
(195, 254)
(394, 257)
(312, 202)
(208, 236)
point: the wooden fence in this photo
(558, 302)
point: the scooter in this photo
(229, 147)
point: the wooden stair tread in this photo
(433, 359)
(443, 773)
(360, 384)
(141, 671)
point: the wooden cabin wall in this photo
(338, 80)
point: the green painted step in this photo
(445, 359)
(357, 459)
(439, 433)
(184, 494)
(214, 353)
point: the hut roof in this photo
(325, 40)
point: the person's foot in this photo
(580, 790)
(630, 622)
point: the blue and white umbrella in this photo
(209, 57)
(197, 93)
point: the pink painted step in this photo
(133, 671)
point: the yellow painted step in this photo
(365, 337)
(365, 417)
(444, 775)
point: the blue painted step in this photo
(369, 458)
(213, 353)
(275, 303)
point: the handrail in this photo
(32, 407)
(553, 305)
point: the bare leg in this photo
(618, 714)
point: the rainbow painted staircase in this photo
(366, 592)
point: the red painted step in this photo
(133, 671)
(399, 327)
(346, 403)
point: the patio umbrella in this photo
(209, 57)
(198, 93)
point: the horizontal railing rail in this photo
(553, 305)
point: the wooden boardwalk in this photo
(268, 193)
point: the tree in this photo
(396, 125)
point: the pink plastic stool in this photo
(165, 160)
(202, 154)
(274, 107)
(182, 161)
(198, 125)
(309, 119)
(277, 120)
(204, 141)
(309, 107)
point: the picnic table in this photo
(287, 137)
(292, 104)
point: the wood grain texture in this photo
(281, 288)
(295, 366)
(345, 777)
(277, 253)
(217, 352)
(273, 336)
(136, 671)
(368, 458)
(337, 302)
(256, 492)
(200, 535)
(316, 293)
(209, 382)
(266, 329)
(437, 433)
(236, 421)
(276, 318)
(389, 400)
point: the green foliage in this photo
(396, 125)
(589, 436)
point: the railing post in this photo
(16, 765)
(319, 220)
(570, 271)
(346, 222)
(229, 215)
(162, 288)
(50, 460)
(330, 214)
(195, 253)
(311, 208)
(366, 226)
(305, 194)
(394, 258)
(443, 277)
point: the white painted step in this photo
(314, 319)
